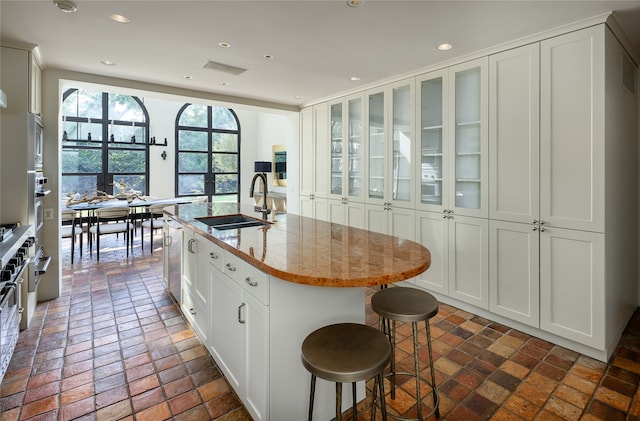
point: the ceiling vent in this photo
(224, 68)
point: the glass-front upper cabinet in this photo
(468, 122)
(432, 104)
(336, 149)
(346, 148)
(356, 147)
(390, 117)
(377, 146)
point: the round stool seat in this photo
(346, 352)
(404, 304)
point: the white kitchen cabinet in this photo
(35, 85)
(573, 130)
(389, 129)
(459, 256)
(514, 145)
(588, 167)
(390, 220)
(346, 213)
(314, 158)
(514, 134)
(240, 331)
(514, 271)
(196, 281)
(572, 285)
(346, 144)
(452, 109)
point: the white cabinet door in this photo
(376, 218)
(202, 281)
(390, 127)
(572, 130)
(256, 340)
(355, 214)
(189, 258)
(432, 232)
(226, 329)
(468, 83)
(337, 211)
(399, 222)
(432, 106)
(321, 158)
(514, 279)
(514, 134)
(572, 293)
(469, 260)
(307, 153)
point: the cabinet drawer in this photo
(196, 313)
(214, 255)
(251, 279)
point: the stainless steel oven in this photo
(36, 136)
(14, 263)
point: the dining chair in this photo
(112, 220)
(71, 229)
(153, 221)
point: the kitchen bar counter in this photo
(253, 294)
(309, 251)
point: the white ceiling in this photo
(316, 45)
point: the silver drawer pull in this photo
(250, 282)
(213, 255)
(231, 268)
(240, 319)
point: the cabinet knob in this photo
(213, 255)
(230, 267)
(250, 282)
(192, 311)
(535, 228)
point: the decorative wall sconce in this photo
(152, 141)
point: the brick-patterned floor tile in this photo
(115, 346)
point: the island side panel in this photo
(297, 310)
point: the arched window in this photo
(105, 140)
(208, 153)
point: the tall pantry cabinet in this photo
(452, 172)
(314, 154)
(563, 212)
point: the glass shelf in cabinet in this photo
(432, 127)
(468, 180)
(468, 123)
(475, 153)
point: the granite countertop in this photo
(309, 251)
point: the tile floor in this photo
(114, 346)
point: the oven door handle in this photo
(7, 295)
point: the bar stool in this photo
(402, 304)
(347, 353)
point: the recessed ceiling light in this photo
(354, 78)
(187, 77)
(223, 83)
(224, 44)
(66, 6)
(268, 56)
(119, 18)
(299, 97)
(354, 3)
(445, 47)
(108, 62)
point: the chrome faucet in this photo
(262, 209)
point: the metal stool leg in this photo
(354, 409)
(414, 328)
(433, 371)
(338, 401)
(313, 392)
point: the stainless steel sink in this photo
(229, 222)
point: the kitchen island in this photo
(253, 294)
